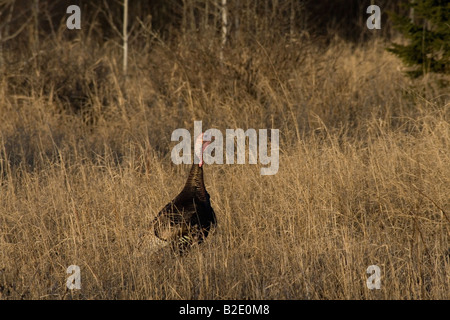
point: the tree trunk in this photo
(125, 37)
(224, 27)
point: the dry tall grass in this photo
(364, 174)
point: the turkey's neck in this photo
(195, 183)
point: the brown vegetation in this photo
(85, 166)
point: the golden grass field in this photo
(364, 175)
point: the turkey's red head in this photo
(202, 141)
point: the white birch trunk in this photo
(125, 37)
(224, 27)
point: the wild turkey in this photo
(189, 217)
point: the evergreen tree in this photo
(428, 32)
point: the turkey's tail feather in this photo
(149, 244)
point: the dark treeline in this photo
(169, 18)
(77, 69)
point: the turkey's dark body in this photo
(189, 217)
